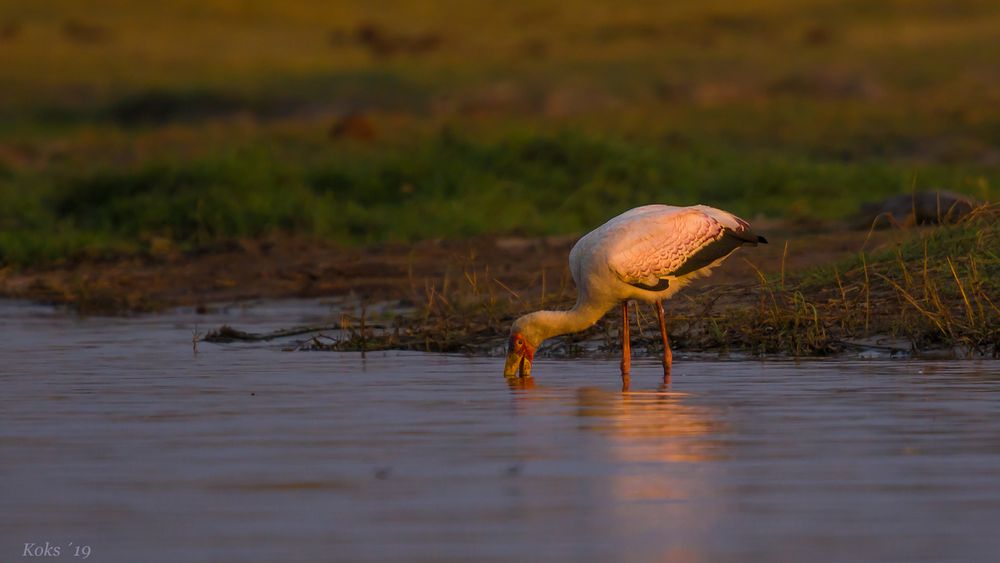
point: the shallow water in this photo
(115, 435)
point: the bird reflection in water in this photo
(640, 428)
(528, 382)
(521, 383)
(656, 425)
(648, 460)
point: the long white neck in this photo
(542, 325)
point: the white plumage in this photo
(647, 254)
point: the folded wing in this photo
(652, 248)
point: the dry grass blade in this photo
(965, 298)
(909, 298)
(509, 290)
(868, 296)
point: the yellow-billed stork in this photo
(645, 254)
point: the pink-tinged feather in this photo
(652, 246)
(653, 243)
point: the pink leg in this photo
(668, 356)
(626, 348)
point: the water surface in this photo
(115, 435)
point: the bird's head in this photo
(521, 348)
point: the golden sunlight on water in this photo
(650, 430)
(660, 444)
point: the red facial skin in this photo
(520, 345)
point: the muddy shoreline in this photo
(460, 296)
(287, 267)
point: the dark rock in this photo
(920, 208)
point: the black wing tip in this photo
(761, 239)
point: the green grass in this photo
(448, 185)
(936, 288)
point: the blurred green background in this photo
(127, 124)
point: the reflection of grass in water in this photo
(449, 185)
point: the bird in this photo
(645, 254)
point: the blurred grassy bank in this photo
(451, 186)
(129, 127)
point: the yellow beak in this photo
(517, 365)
